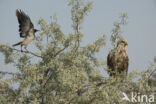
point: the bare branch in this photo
(59, 51)
(10, 73)
(27, 52)
(151, 74)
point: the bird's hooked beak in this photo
(35, 30)
(126, 42)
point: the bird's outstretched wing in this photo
(25, 23)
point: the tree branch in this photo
(49, 68)
(27, 52)
(151, 74)
(78, 38)
(59, 51)
(10, 73)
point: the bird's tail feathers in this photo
(16, 44)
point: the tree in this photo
(65, 72)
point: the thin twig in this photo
(59, 51)
(27, 52)
(151, 73)
(1, 72)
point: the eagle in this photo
(26, 29)
(118, 60)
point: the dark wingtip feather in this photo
(17, 12)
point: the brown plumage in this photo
(117, 59)
(26, 29)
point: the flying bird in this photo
(26, 29)
(118, 60)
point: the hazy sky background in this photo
(140, 31)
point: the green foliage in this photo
(116, 32)
(152, 76)
(7, 52)
(65, 72)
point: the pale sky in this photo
(140, 31)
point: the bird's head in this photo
(123, 41)
(35, 30)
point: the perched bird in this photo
(26, 29)
(117, 59)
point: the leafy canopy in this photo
(61, 71)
